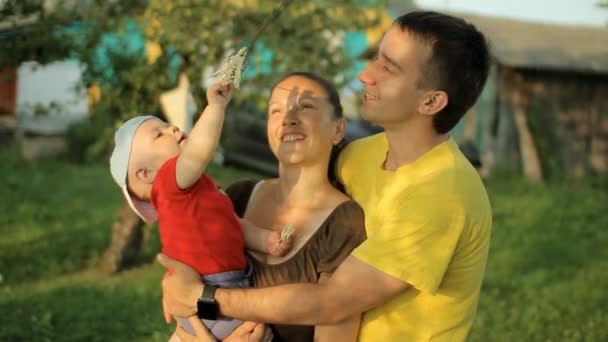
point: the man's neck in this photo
(407, 143)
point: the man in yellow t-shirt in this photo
(427, 215)
(428, 224)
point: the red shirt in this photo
(198, 225)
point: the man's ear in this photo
(433, 102)
(339, 132)
(145, 175)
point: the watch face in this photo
(207, 310)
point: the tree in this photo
(189, 36)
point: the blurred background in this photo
(77, 265)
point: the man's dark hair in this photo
(334, 99)
(459, 62)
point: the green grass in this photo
(545, 277)
(55, 222)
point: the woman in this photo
(305, 130)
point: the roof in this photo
(544, 46)
(521, 44)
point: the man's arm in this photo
(204, 137)
(355, 287)
(345, 331)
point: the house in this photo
(8, 90)
(545, 108)
(39, 102)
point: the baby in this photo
(161, 173)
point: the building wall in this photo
(567, 114)
(475, 123)
(8, 90)
(489, 127)
(50, 97)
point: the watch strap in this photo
(208, 294)
(206, 305)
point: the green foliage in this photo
(194, 36)
(29, 42)
(82, 138)
(133, 91)
(545, 278)
(300, 38)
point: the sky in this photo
(569, 12)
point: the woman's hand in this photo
(246, 332)
(181, 288)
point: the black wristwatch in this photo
(206, 304)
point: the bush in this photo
(79, 137)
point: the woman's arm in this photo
(345, 331)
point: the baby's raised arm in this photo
(204, 137)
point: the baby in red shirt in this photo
(161, 173)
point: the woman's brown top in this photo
(334, 240)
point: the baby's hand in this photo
(219, 93)
(277, 247)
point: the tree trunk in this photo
(490, 124)
(529, 153)
(598, 155)
(469, 130)
(127, 236)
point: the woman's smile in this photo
(292, 137)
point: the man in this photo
(428, 218)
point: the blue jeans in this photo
(223, 326)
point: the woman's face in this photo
(301, 124)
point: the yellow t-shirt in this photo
(428, 224)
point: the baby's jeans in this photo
(223, 326)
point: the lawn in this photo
(545, 281)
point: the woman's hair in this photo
(334, 100)
(330, 89)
